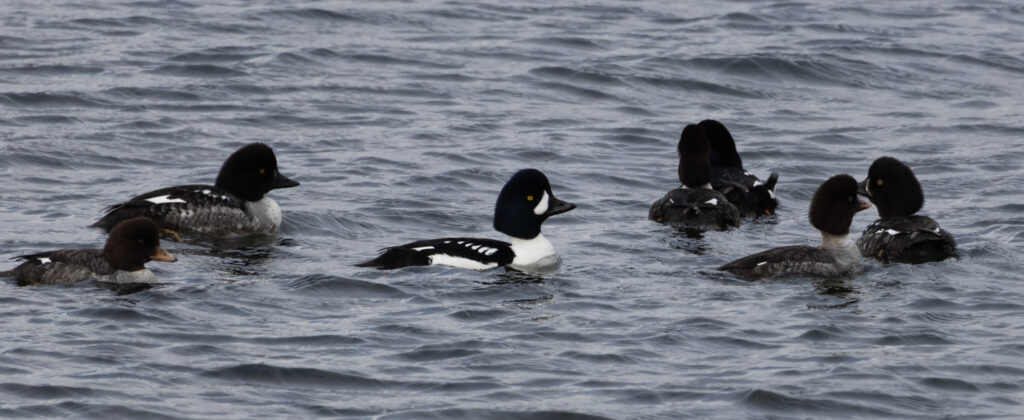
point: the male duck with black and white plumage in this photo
(524, 203)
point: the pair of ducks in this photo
(712, 174)
(717, 192)
(236, 204)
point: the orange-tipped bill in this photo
(162, 255)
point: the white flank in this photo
(713, 202)
(542, 206)
(530, 251)
(164, 199)
(423, 248)
(893, 232)
(459, 262)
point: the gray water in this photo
(403, 120)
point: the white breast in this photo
(129, 277)
(266, 213)
(842, 248)
(533, 252)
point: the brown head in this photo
(133, 243)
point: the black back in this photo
(892, 187)
(197, 196)
(834, 204)
(699, 209)
(911, 239)
(694, 150)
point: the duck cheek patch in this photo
(542, 206)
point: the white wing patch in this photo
(713, 202)
(758, 182)
(45, 260)
(771, 193)
(459, 262)
(164, 199)
(762, 263)
(423, 248)
(542, 206)
(893, 232)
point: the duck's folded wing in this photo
(788, 259)
(472, 253)
(169, 204)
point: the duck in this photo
(831, 212)
(695, 205)
(523, 205)
(130, 245)
(745, 190)
(235, 205)
(899, 235)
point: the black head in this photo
(251, 172)
(133, 243)
(723, 148)
(524, 203)
(834, 205)
(892, 186)
(694, 170)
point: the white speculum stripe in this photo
(542, 206)
(164, 199)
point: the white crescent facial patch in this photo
(542, 206)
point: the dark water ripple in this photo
(402, 121)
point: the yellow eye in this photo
(529, 198)
(879, 182)
(262, 171)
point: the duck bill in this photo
(862, 188)
(283, 182)
(558, 207)
(162, 255)
(863, 205)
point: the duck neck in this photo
(841, 246)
